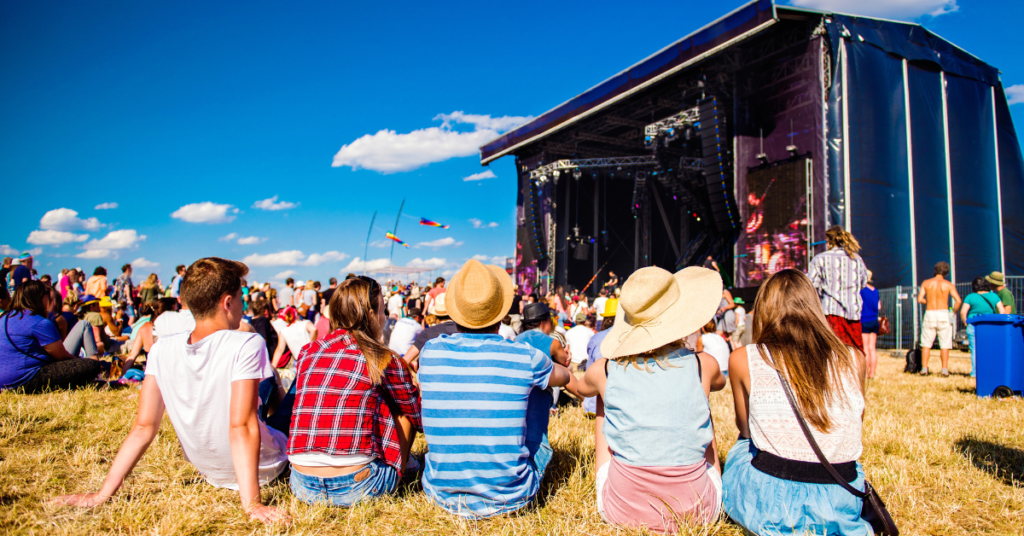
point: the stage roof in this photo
(907, 40)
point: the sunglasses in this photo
(374, 285)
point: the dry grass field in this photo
(944, 461)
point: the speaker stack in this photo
(717, 164)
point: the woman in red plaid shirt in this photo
(356, 410)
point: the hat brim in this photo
(992, 281)
(700, 293)
(507, 293)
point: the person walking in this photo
(123, 290)
(838, 274)
(938, 322)
(150, 289)
(981, 301)
(869, 324)
(998, 284)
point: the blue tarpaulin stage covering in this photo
(912, 143)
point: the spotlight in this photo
(763, 158)
(791, 149)
(577, 174)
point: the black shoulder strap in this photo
(995, 309)
(15, 346)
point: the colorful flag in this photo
(396, 239)
(428, 223)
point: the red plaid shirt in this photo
(338, 411)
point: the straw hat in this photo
(439, 305)
(658, 308)
(996, 278)
(480, 295)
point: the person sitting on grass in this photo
(656, 457)
(208, 380)
(773, 480)
(350, 377)
(484, 414)
(32, 355)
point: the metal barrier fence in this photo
(905, 315)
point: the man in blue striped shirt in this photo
(485, 417)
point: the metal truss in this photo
(555, 168)
(665, 126)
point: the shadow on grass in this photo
(1000, 461)
(965, 391)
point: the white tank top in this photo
(774, 428)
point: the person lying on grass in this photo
(485, 414)
(208, 380)
(656, 457)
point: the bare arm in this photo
(311, 329)
(411, 357)
(147, 424)
(963, 312)
(594, 380)
(282, 345)
(1003, 310)
(920, 297)
(739, 376)
(728, 297)
(57, 351)
(244, 434)
(956, 297)
(711, 374)
(558, 353)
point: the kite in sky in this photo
(428, 223)
(395, 238)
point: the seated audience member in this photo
(505, 329)
(175, 322)
(32, 355)
(537, 332)
(405, 332)
(260, 323)
(81, 335)
(350, 377)
(143, 333)
(443, 325)
(578, 337)
(594, 352)
(323, 322)
(208, 381)
(773, 480)
(657, 463)
(713, 344)
(485, 425)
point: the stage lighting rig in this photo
(792, 150)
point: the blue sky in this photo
(271, 133)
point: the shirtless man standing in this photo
(935, 294)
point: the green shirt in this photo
(1006, 297)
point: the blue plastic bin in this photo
(999, 350)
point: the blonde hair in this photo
(658, 355)
(837, 237)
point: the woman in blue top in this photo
(981, 301)
(32, 355)
(869, 324)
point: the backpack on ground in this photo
(913, 365)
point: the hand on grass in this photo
(85, 500)
(268, 514)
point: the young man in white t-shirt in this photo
(208, 381)
(599, 303)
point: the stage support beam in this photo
(664, 219)
(910, 181)
(949, 178)
(845, 62)
(596, 234)
(999, 185)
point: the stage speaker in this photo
(715, 144)
(534, 224)
(582, 252)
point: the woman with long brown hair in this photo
(356, 409)
(773, 479)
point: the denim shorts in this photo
(344, 490)
(869, 326)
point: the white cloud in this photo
(390, 152)
(250, 240)
(120, 239)
(141, 262)
(35, 251)
(1015, 94)
(382, 243)
(228, 237)
(480, 176)
(498, 260)
(448, 273)
(205, 212)
(65, 219)
(54, 238)
(273, 204)
(293, 258)
(892, 9)
(106, 206)
(439, 243)
(479, 224)
(358, 265)
(285, 274)
(7, 250)
(94, 254)
(433, 263)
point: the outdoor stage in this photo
(747, 139)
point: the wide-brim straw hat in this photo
(479, 295)
(658, 308)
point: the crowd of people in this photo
(332, 385)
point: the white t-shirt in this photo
(577, 338)
(599, 305)
(284, 297)
(395, 304)
(295, 335)
(173, 323)
(741, 316)
(715, 345)
(195, 382)
(507, 332)
(309, 297)
(403, 335)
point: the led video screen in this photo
(775, 222)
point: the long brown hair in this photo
(837, 237)
(355, 307)
(31, 297)
(150, 281)
(790, 326)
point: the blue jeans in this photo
(81, 338)
(971, 341)
(344, 490)
(281, 420)
(538, 415)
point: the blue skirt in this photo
(764, 504)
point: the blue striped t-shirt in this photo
(475, 390)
